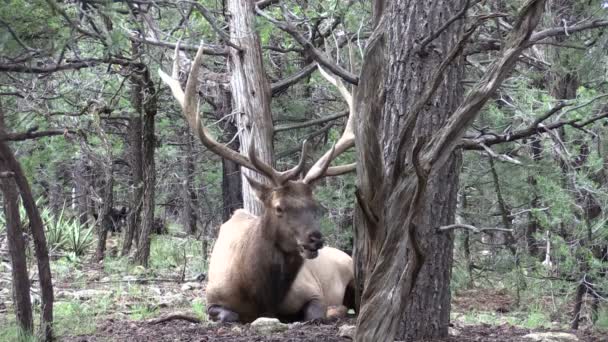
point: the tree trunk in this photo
(427, 314)
(136, 188)
(533, 223)
(189, 194)
(106, 212)
(232, 191)
(409, 117)
(81, 186)
(16, 245)
(149, 172)
(250, 93)
(40, 246)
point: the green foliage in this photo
(200, 309)
(66, 234)
(143, 311)
(10, 331)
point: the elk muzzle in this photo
(310, 248)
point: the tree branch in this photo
(560, 31)
(449, 135)
(472, 228)
(285, 83)
(309, 123)
(319, 56)
(34, 134)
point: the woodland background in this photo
(111, 161)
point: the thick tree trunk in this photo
(409, 117)
(406, 74)
(188, 191)
(149, 172)
(16, 244)
(250, 93)
(40, 246)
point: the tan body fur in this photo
(234, 272)
(324, 278)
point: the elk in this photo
(255, 260)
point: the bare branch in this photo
(560, 31)
(35, 134)
(449, 136)
(287, 82)
(319, 56)
(310, 122)
(472, 228)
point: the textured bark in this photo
(232, 190)
(250, 93)
(407, 169)
(105, 213)
(149, 173)
(40, 246)
(81, 189)
(136, 188)
(16, 246)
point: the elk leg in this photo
(314, 310)
(217, 313)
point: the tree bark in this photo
(533, 223)
(136, 183)
(40, 246)
(16, 245)
(106, 211)
(250, 93)
(232, 191)
(410, 115)
(149, 173)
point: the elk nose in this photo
(316, 239)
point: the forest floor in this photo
(114, 301)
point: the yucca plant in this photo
(79, 238)
(55, 228)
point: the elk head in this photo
(291, 214)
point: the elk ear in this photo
(261, 190)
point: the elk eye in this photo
(279, 210)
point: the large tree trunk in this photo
(409, 117)
(250, 93)
(232, 191)
(149, 172)
(16, 245)
(406, 74)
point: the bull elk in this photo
(255, 260)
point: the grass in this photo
(12, 332)
(200, 309)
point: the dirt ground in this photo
(140, 331)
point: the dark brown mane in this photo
(267, 280)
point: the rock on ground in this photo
(264, 325)
(552, 337)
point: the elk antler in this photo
(347, 140)
(188, 100)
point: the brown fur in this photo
(256, 259)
